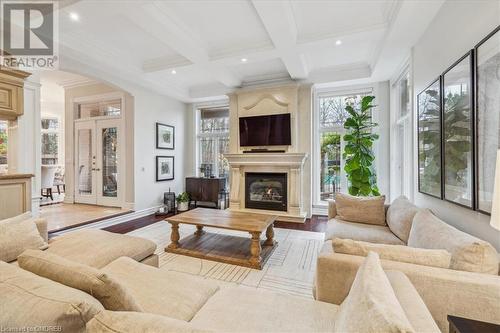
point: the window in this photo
(99, 109)
(50, 140)
(3, 145)
(401, 137)
(329, 164)
(213, 141)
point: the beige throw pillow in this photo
(111, 294)
(400, 217)
(371, 305)
(18, 234)
(28, 300)
(434, 258)
(133, 322)
(468, 253)
(360, 209)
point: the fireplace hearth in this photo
(266, 190)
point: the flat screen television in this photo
(273, 130)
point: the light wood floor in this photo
(62, 216)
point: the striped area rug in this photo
(289, 270)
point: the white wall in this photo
(457, 27)
(151, 108)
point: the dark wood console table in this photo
(206, 189)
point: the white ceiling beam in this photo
(155, 19)
(278, 20)
(91, 65)
(399, 39)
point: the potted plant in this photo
(358, 153)
(182, 202)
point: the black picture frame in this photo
(457, 142)
(480, 160)
(160, 159)
(438, 156)
(168, 129)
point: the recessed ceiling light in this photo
(74, 16)
(244, 59)
(173, 71)
(338, 42)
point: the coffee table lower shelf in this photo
(222, 248)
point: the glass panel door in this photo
(108, 166)
(85, 162)
(97, 168)
(109, 162)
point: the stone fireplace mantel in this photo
(290, 163)
(272, 159)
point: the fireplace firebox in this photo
(266, 191)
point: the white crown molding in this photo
(266, 79)
(165, 63)
(341, 34)
(74, 83)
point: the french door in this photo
(97, 163)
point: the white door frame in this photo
(121, 137)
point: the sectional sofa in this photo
(166, 301)
(463, 281)
(77, 284)
(95, 248)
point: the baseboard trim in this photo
(111, 221)
(320, 211)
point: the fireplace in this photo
(266, 191)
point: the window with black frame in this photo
(458, 133)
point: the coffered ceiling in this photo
(195, 49)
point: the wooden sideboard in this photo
(205, 189)
(11, 93)
(15, 194)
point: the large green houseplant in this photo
(358, 153)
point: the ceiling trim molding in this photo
(74, 83)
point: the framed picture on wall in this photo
(429, 140)
(487, 64)
(165, 136)
(164, 168)
(458, 138)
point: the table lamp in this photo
(495, 207)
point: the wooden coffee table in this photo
(249, 252)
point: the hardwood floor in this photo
(132, 225)
(316, 223)
(64, 216)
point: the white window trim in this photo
(198, 135)
(318, 205)
(408, 122)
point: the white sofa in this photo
(445, 291)
(179, 302)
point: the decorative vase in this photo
(182, 206)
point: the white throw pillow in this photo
(368, 210)
(371, 305)
(468, 253)
(400, 217)
(401, 253)
(17, 234)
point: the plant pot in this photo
(182, 206)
